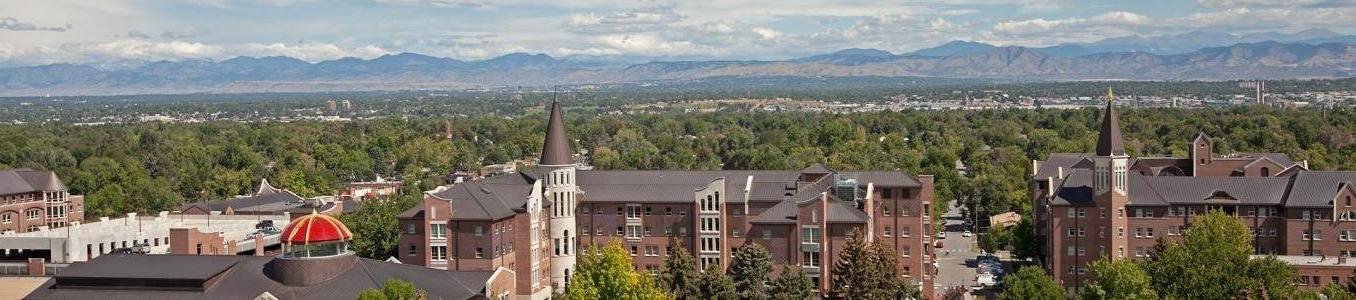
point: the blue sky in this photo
(50, 31)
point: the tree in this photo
(887, 281)
(394, 289)
(1225, 242)
(715, 285)
(1337, 292)
(1024, 242)
(852, 272)
(792, 285)
(372, 226)
(749, 269)
(1030, 282)
(1119, 279)
(680, 275)
(611, 275)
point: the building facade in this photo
(1109, 204)
(31, 200)
(801, 216)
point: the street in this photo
(956, 258)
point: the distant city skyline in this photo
(43, 32)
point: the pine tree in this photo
(793, 285)
(749, 270)
(715, 285)
(887, 281)
(680, 275)
(852, 272)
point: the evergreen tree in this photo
(1031, 283)
(749, 270)
(852, 272)
(611, 275)
(792, 285)
(887, 281)
(680, 275)
(715, 285)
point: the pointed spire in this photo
(1109, 140)
(556, 150)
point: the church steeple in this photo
(556, 151)
(1109, 140)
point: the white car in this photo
(941, 235)
(967, 234)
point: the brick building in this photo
(1091, 205)
(31, 199)
(534, 221)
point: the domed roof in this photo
(315, 228)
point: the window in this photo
(480, 252)
(1306, 215)
(1120, 232)
(6, 218)
(621, 230)
(1149, 232)
(584, 210)
(1139, 252)
(33, 214)
(668, 230)
(633, 212)
(1076, 231)
(1346, 235)
(905, 252)
(1139, 232)
(904, 231)
(651, 250)
(1312, 235)
(647, 231)
(767, 233)
(887, 231)
(1075, 251)
(811, 259)
(734, 232)
(647, 210)
(633, 231)
(885, 209)
(438, 253)
(809, 235)
(668, 211)
(438, 231)
(633, 251)
(480, 231)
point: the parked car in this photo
(987, 280)
(941, 235)
(967, 234)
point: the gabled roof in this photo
(19, 181)
(1154, 190)
(1069, 161)
(275, 202)
(1317, 188)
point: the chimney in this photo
(1035, 165)
(1060, 173)
(258, 244)
(1049, 186)
(870, 212)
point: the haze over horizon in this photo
(63, 31)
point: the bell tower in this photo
(559, 189)
(1111, 182)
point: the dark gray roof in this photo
(19, 181)
(1317, 188)
(816, 169)
(556, 150)
(844, 212)
(1155, 190)
(501, 196)
(1050, 167)
(782, 213)
(276, 202)
(1109, 139)
(238, 277)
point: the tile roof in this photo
(19, 181)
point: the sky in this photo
(83, 31)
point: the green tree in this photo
(1226, 243)
(1024, 242)
(1030, 283)
(1337, 292)
(376, 230)
(887, 281)
(1119, 279)
(749, 269)
(680, 275)
(792, 285)
(852, 273)
(611, 275)
(394, 289)
(716, 285)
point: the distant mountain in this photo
(850, 57)
(411, 71)
(954, 48)
(1194, 40)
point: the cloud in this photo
(1229, 4)
(640, 20)
(183, 33)
(13, 24)
(137, 34)
(475, 4)
(180, 50)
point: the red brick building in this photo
(1108, 204)
(30, 199)
(535, 220)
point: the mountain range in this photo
(1308, 55)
